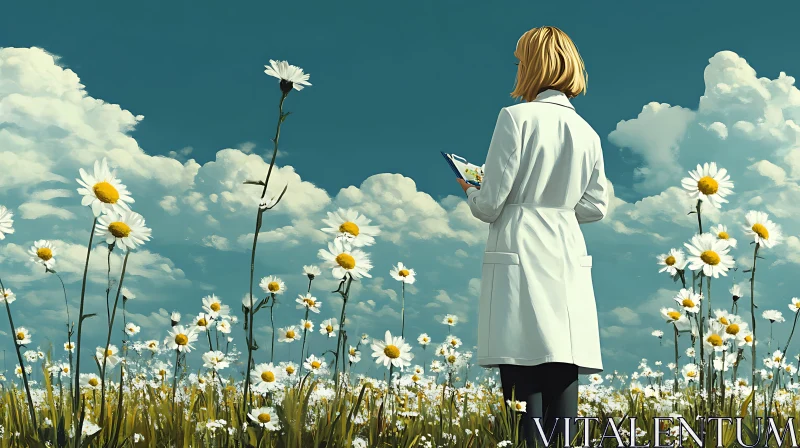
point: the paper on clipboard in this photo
(471, 173)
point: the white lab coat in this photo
(543, 176)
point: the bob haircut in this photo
(548, 59)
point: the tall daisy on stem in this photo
(795, 307)
(103, 192)
(404, 275)
(290, 77)
(272, 286)
(764, 233)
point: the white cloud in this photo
(626, 315)
(35, 210)
(217, 242)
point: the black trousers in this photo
(550, 391)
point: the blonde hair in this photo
(548, 59)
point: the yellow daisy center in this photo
(44, 253)
(20, 336)
(724, 321)
(290, 334)
(93, 382)
(329, 328)
(451, 359)
(669, 261)
(403, 273)
(181, 339)
(119, 229)
(391, 351)
(264, 417)
(201, 381)
(761, 230)
(414, 378)
(349, 227)
(691, 374)
(289, 370)
(518, 406)
(674, 315)
(352, 351)
(449, 320)
(688, 303)
(346, 261)
(215, 306)
(307, 325)
(748, 338)
(106, 192)
(710, 257)
(723, 235)
(109, 352)
(315, 365)
(151, 345)
(715, 340)
(707, 185)
(310, 302)
(162, 372)
(453, 342)
(274, 286)
(267, 377)
(788, 368)
(732, 329)
(202, 322)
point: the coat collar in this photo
(554, 97)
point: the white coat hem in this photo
(584, 368)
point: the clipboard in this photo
(470, 173)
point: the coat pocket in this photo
(499, 301)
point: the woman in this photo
(543, 177)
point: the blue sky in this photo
(392, 86)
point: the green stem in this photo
(108, 340)
(76, 400)
(31, 408)
(403, 310)
(753, 323)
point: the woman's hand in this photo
(465, 185)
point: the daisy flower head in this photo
(329, 327)
(314, 364)
(672, 262)
(266, 377)
(736, 292)
(709, 183)
(402, 273)
(670, 314)
(272, 285)
(203, 322)
(102, 191)
(265, 417)
(714, 338)
(69, 346)
(290, 76)
(214, 307)
(344, 259)
(453, 342)
(224, 326)
(795, 305)
(125, 229)
(516, 406)
(108, 355)
(658, 333)
(306, 325)
(709, 255)
(762, 229)
(393, 350)
(745, 339)
(721, 232)
(354, 355)
(90, 381)
(288, 334)
(43, 252)
(689, 300)
(180, 338)
(289, 368)
(151, 345)
(311, 272)
(127, 294)
(690, 372)
(215, 360)
(773, 316)
(6, 222)
(22, 336)
(351, 226)
(7, 296)
(450, 320)
(309, 302)
(132, 329)
(424, 339)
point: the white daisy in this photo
(707, 183)
(401, 273)
(109, 355)
(90, 381)
(126, 230)
(151, 345)
(6, 222)
(69, 346)
(736, 292)
(311, 272)
(690, 373)
(272, 285)
(773, 316)
(658, 333)
(180, 338)
(289, 368)
(103, 191)
(745, 339)
(424, 339)
(266, 377)
(392, 350)
(762, 229)
(709, 255)
(329, 327)
(43, 252)
(344, 259)
(308, 301)
(214, 307)
(288, 334)
(314, 364)
(8, 296)
(352, 227)
(517, 406)
(453, 342)
(795, 305)
(721, 232)
(203, 322)
(714, 338)
(215, 360)
(132, 329)
(306, 325)
(22, 336)
(265, 417)
(672, 262)
(671, 314)
(224, 326)
(354, 355)
(689, 301)
(127, 294)
(450, 319)
(290, 76)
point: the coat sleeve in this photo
(502, 164)
(593, 205)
